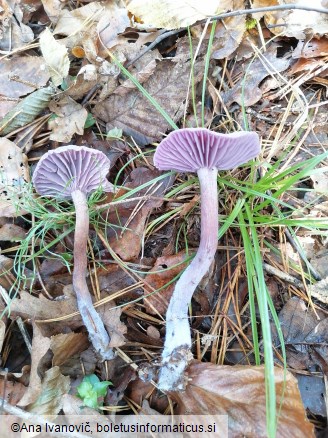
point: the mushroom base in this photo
(96, 329)
(176, 354)
(172, 377)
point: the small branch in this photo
(36, 419)
(283, 276)
(267, 9)
(156, 41)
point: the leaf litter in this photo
(62, 84)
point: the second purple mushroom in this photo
(204, 152)
(73, 172)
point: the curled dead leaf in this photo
(239, 392)
(165, 269)
(14, 175)
(174, 14)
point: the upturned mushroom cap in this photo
(190, 149)
(68, 168)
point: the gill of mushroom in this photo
(73, 172)
(204, 152)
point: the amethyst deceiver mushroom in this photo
(73, 172)
(205, 152)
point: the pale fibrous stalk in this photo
(176, 353)
(91, 319)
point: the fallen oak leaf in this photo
(11, 391)
(246, 91)
(71, 119)
(174, 14)
(165, 270)
(55, 56)
(40, 346)
(14, 175)
(127, 222)
(229, 33)
(239, 392)
(136, 115)
(54, 386)
(26, 110)
(66, 345)
(41, 308)
(16, 74)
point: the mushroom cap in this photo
(190, 149)
(68, 168)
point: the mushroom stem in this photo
(176, 353)
(91, 319)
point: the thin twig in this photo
(223, 16)
(283, 276)
(37, 419)
(156, 41)
(24, 333)
(266, 9)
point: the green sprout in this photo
(92, 391)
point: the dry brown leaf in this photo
(167, 265)
(143, 72)
(258, 70)
(111, 318)
(73, 406)
(113, 22)
(14, 175)
(21, 75)
(40, 308)
(6, 265)
(85, 80)
(2, 332)
(40, 345)
(54, 386)
(71, 119)
(127, 239)
(81, 27)
(229, 33)
(14, 34)
(312, 388)
(306, 64)
(80, 364)
(52, 9)
(11, 232)
(136, 115)
(320, 290)
(239, 391)
(6, 105)
(78, 20)
(66, 345)
(320, 263)
(11, 391)
(295, 23)
(311, 49)
(174, 14)
(297, 321)
(139, 390)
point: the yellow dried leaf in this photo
(55, 56)
(174, 14)
(13, 176)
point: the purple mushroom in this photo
(73, 172)
(205, 152)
